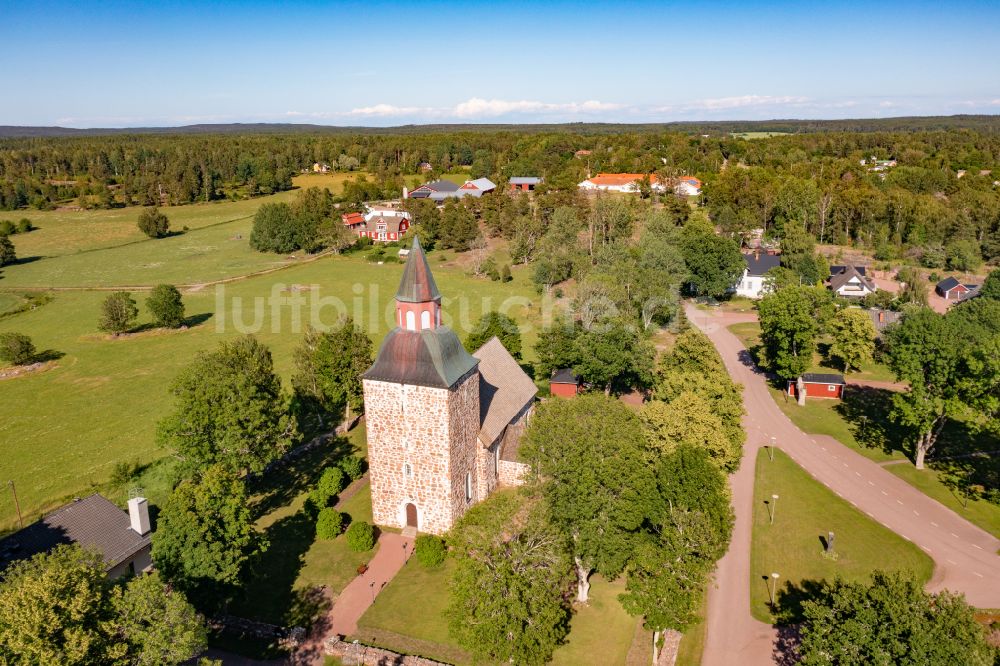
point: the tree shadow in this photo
(790, 597)
(297, 474)
(867, 410)
(47, 355)
(198, 319)
(26, 260)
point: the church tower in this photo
(422, 413)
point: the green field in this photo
(792, 547)
(757, 135)
(600, 632)
(64, 429)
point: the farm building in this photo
(564, 383)
(444, 425)
(380, 225)
(95, 523)
(851, 282)
(439, 190)
(758, 263)
(524, 183)
(950, 289)
(620, 182)
(818, 385)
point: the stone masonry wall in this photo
(428, 429)
(512, 473)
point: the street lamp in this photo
(774, 579)
(774, 507)
(770, 449)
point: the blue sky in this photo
(390, 63)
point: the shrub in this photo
(16, 348)
(24, 225)
(505, 275)
(361, 536)
(353, 466)
(153, 223)
(329, 523)
(7, 254)
(332, 481)
(7, 228)
(165, 304)
(430, 550)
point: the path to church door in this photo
(411, 515)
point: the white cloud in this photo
(385, 110)
(482, 108)
(743, 101)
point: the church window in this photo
(425, 319)
(496, 461)
(468, 487)
(411, 321)
(407, 470)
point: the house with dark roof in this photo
(817, 385)
(95, 523)
(752, 284)
(524, 183)
(850, 282)
(950, 289)
(439, 190)
(443, 425)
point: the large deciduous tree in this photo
(689, 420)
(205, 536)
(495, 324)
(613, 355)
(853, 338)
(327, 383)
(153, 223)
(890, 621)
(230, 409)
(16, 348)
(509, 588)
(790, 321)
(556, 346)
(588, 455)
(166, 306)
(118, 313)
(714, 263)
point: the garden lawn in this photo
(600, 632)
(792, 546)
(63, 430)
(693, 642)
(68, 232)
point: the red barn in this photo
(951, 289)
(564, 383)
(819, 385)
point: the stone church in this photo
(443, 425)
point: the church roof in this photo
(417, 285)
(430, 357)
(504, 390)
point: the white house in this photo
(752, 284)
(851, 282)
(620, 182)
(688, 186)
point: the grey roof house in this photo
(95, 523)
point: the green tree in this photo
(495, 324)
(118, 313)
(166, 306)
(588, 455)
(890, 621)
(689, 420)
(790, 321)
(614, 355)
(853, 338)
(914, 286)
(230, 409)
(964, 255)
(991, 286)
(556, 346)
(205, 536)
(157, 623)
(53, 610)
(714, 263)
(508, 592)
(329, 365)
(275, 229)
(153, 223)
(16, 348)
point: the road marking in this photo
(915, 513)
(858, 473)
(954, 535)
(927, 549)
(885, 493)
(934, 524)
(952, 562)
(823, 447)
(898, 502)
(871, 483)
(977, 574)
(845, 464)
(977, 546)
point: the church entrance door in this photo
(411, 515)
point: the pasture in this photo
(64, 429)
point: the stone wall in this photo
(348, 653)
(432, 430)
(512, 473)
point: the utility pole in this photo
(17, 504)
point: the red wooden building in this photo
(818, 385)
(564, 383)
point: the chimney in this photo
(406, 192)
(881, 316)
(138, 515)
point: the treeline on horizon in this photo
(811, 178)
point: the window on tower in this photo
(407, 470)
(468, 487)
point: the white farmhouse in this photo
(752, 284)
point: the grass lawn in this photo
(64, 429)
(792, 546)
(68, 232)
(600, 632)
(330, 181)
(693, 643)
(979, 512)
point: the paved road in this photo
(964, 555)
